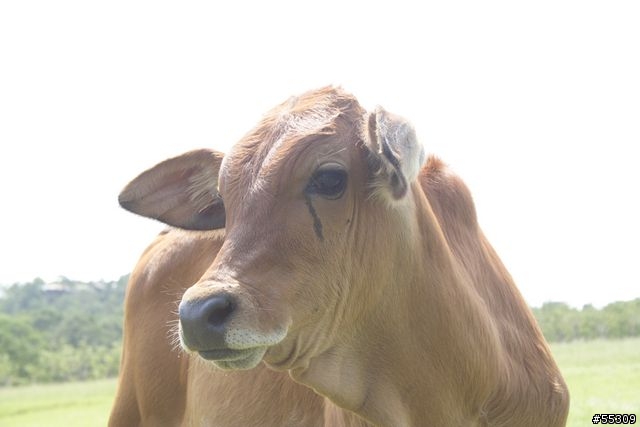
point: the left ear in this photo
(395, 155)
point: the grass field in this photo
(603, 377)
(84, 404)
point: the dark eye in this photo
(328, 181)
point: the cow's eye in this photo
(329, 181)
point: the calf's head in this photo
(316, 200)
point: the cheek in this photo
(311, 251)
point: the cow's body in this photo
(159, 385)
(357, 268)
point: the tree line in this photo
(70, 330)
(560, 322)
(63, 331)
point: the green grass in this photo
(603, 377)
(81, 404)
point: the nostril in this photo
(220, 309)
(203, 322)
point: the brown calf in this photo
(357, 268)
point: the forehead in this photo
(289, 130)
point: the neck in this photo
(533, 390)
(399, 373)
(530, 390)
(420, 346)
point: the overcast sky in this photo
(535, 104)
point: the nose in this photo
(203, 322)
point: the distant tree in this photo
(6, 370)
(66, 331)
(23, 298)
(591, 323)
(20, 346)
(622, 319)
(559, 322)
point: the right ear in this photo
(396, 155)
(181, 191)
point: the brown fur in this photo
(162, 386)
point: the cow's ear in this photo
(395, 155)
(181, 191)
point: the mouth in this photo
(230, 359)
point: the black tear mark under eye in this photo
(329, 181)
(317, 225)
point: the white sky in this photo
(535, 104)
